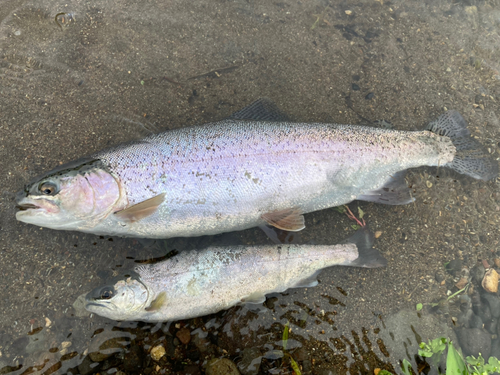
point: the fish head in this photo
(126, 299)
(74, 196)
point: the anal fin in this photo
(256, 297)
(308, 282)
(141, 210)
(290, 219)
(395, 191)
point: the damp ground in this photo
(79, 76)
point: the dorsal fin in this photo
(262, 109)
(141, 210)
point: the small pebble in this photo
(355, 87)
(429, 184)
(184, 335)
(221, 366)
(462, 283)
(378, 233)
(65, 344)
(348, 12)
(497, 262)
(369, 96)
(48, 322)
(490, 281)
(157, 352)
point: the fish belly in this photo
(224, 176)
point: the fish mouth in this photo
(88, 304)
(26, 206)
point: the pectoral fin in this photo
(158, 302)
(290, 219)
(141, 210)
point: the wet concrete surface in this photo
(79, 76)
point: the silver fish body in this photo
(196, 283)
(229, 175)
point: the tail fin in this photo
(471, 158)
(368, 257)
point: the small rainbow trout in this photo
(200, 282)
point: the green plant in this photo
(455, 363)
(294, 364)
(433, 350)
(406, 367)
(479, 367)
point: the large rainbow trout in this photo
(248, 170)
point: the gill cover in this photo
(73, 195)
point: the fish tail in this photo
(471, 158)
(368, 257)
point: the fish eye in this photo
(106, 293)
(48, 188)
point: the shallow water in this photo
(79, 76)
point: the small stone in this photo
(87, 367)
(184, 335)
(462, 283)
(440, 276)
(474, 341)
(378, 233)
(105, 345)
(429, 184)
(490, 281)
(477, 274)
(48, 322)
(355, 87)
(497, 262)
(221, 366)
(65, 344)
(348, 12)
(250, 361)
(157, 352)
(493, 302)
(454, 267)
(133, 361)
(306, 366)
(370, 96)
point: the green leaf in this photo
(407, 367)
(419, 306)
(384, 372)
(360, 213)
(355, 226)
(285, 336)
(295, 366)
(455, 364)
